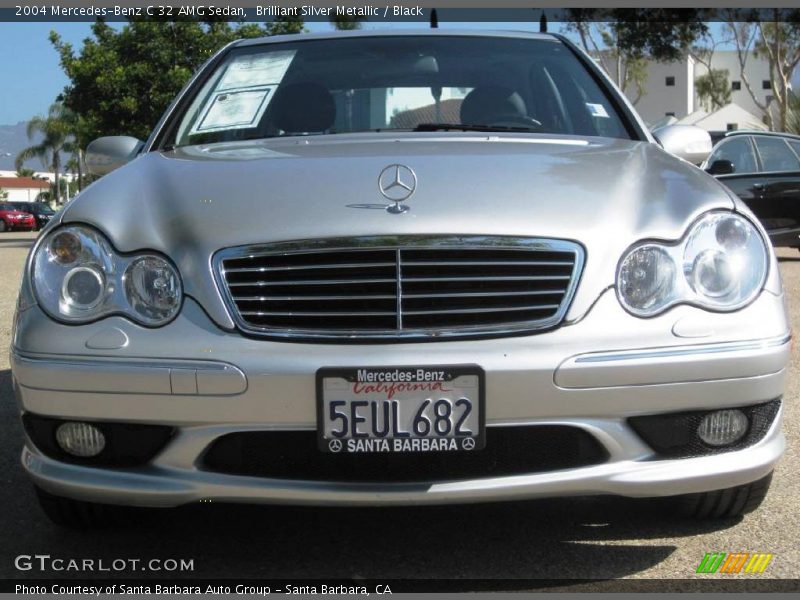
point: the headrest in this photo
(302, 107)
(483, 103)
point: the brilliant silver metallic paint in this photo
(200, 375)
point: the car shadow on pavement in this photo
(584, 538)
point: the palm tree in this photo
(25, 172)
(56, 130)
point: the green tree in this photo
(651, 33)
(122, 80)
(25, 172)
(623, 40)
(346, 23)
(57, 137)
(3, 195)
(713, 89)
(778, 42)
(793, 114)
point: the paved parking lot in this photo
(565, 538)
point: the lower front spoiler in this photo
(157, 486)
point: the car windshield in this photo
(422, 83)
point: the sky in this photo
(31, 78)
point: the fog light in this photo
(80, 439)
(722, 427)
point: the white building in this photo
(48, 175)
(22, 189)
(670, 89)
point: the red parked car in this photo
(12, 218)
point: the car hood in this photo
(191, 202)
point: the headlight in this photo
(79, 277)
(152, 288)
(720, 264)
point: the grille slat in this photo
(307, 267)
(455, 311)
(312, 298)
(421, 287)
(258, 313)
(483, 294)
(262, 283)
(488, 263)
(471, 279)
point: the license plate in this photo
(400, 409)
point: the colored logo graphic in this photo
(737, 562)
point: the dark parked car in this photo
(763, 169)
(13, 218)
(41, 211)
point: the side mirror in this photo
(108, 153)
(688, 142)
(721, 167)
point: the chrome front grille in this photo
(415, 287)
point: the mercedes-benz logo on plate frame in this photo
(397, 183)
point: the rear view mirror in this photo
(721, 167)
(688, 142)
(108, 153)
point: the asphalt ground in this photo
(582, 538)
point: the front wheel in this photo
(75, 514)
(3, 226)
(728, 503)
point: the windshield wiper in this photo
(471, 127)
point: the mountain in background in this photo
(13, 140)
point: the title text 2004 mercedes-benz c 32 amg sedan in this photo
(404, 268)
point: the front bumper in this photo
(592, 374)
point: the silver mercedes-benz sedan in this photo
(400, 268)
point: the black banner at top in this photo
(447, 11)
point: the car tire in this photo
(3, 226)
(728, 503)
(75, 514)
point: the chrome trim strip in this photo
(314, 298)
(498, 278)
(309, 282)
(480, 294)
(397, 243)
(310, 267)
(487, 263)
(469, 311)
(685, 350)
(399, 273)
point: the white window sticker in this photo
(237, 109)
(256, 70)
(243, 93)
(597, 110)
